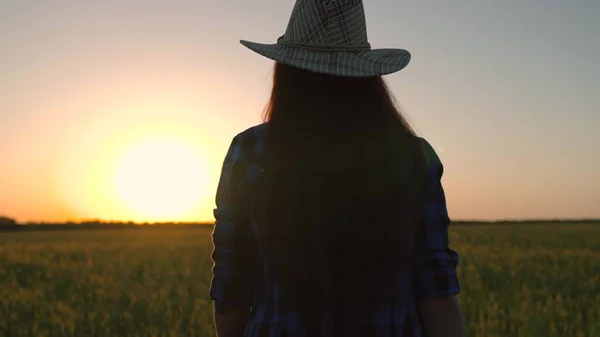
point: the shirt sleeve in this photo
(235, 248)
(435, 262)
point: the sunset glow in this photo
(156, 171)
(160, 179)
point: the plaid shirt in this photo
(238, 275)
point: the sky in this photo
(123, 110)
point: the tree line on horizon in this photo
(11, 223)
(7, 223)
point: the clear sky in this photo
(124, 109)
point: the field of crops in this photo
(517, 280)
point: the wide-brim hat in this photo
(330, 37)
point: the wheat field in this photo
(517, 280)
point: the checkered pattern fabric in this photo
(330, 37)
(238, 272)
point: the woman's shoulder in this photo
(252, 134)
(250, 141)
(431, 156)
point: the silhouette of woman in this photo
(331, 219)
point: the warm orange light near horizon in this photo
(160, 179)
(153, 171)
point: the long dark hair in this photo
(340, 191)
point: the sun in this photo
(160, 180)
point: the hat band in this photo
(338, 48)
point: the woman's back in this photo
(240, 275)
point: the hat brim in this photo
(374, 62)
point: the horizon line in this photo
(199, 222)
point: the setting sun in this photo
(160, 179)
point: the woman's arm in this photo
(231, 323)
(442, 316)
(235, 256)
(435, 279)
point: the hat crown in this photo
(327, 23)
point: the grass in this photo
(517, 280)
